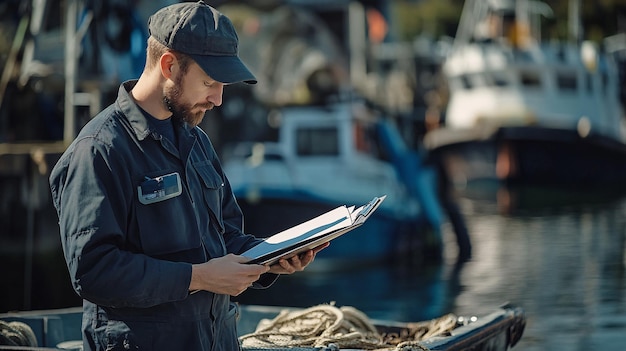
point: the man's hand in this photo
(225, 275)
(296, 263)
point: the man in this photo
(149, 225)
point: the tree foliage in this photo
(437, 18)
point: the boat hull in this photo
(531, 156)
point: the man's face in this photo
(190, 95)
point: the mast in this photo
(73, 37)
(575, 30)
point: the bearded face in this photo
(173, 97)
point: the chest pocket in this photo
(167, 226)
(213, 191)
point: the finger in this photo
(287, 265)
(299, 261)
(256, 269)
(307, 257)
(279, 267)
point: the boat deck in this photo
(499, 330)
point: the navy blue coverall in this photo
(130, 232)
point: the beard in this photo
(172, 97)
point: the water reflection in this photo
(564, 264)
(398, 292)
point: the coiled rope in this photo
(345, 327)
(16, 334)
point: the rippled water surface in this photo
(560, 257)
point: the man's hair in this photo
(155, 50)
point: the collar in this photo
(131, 110)
(137, 120)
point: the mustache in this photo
(206, 106)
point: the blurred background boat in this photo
(335, 154)
(526, 109)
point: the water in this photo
(560, 257)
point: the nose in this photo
(215, 97)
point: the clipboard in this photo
(312, 233)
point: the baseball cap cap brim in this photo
(225, 69)
(206, 35)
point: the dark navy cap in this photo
(206, 35)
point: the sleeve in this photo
(90, 192)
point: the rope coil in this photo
(331, 328)
(16, 334)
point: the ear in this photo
(167, 63)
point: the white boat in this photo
(333, 155)
(525, 111)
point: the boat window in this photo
(566, 81)
(481, 80)
(530, 79)
(499, 79)
(317, 141)
(523, 56)
(466, 82)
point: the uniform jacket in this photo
(130, 232)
